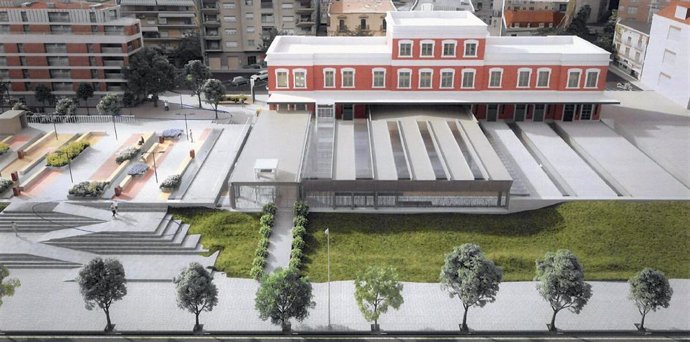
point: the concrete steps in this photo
(33, 261)
(42, 222)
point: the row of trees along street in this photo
(148, 75)
(285, 294)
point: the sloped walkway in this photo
(281, 241)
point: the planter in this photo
(161, 140)
(109, 328)
(375, 328)
(286, 327)
(198, 329)
(118, 191)
(192, 153)
(15, 176)
(16, 191)
(166, 189)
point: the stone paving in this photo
(280, 241)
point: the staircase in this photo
(170, 237)
(40, 219)
(34, 261)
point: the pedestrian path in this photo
(280, 241)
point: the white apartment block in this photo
(237, 32)
(667, 64)
(630, 44)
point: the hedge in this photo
(172, 182)
(269, 208)
(265, 231)
(267, 220)
(261, 253)
(299, 231)
(88, 189)
(300, 209)
(127, 154)
(63, 155)
(300, 221)
(5, 184)
(4, 147)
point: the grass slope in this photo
(612, 239)
(234, 234)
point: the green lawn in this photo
(234, 234)
(3, 206)
(613, 240)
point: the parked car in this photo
(260, 76)
(252, 66)
(239, 80)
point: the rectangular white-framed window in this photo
(405, 48)
(425, 78)
(591, 78)
(669, 57)
(299, 78)
(426, 48)
(471, 48)
(348, 78)
(447, 78)
(329, 78)
(543, 77)
(449, 47)
(228, 5)
(230, 18)
(573, 78)
(524, 76)
(404, 78)
(378, 78)
(282, 78)
(468, 78)
(586, 111)
(495, 77)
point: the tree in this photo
(196, 291)
(561, 281)
(650, 290)
(196, 76)
(42, 94)
(7, 286)
(149, 74)
(109, 105)
(376, 289)
(84, 92)
(4, 90)
(578, 26)
(470, 276)
(188, 49)
(605, 40)
(102, 282)
(283, 295)
(213, 91)
(66, 106)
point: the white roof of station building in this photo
(435, 24)
(562, 48)
(301, 50)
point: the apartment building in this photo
(163, 22)
(667, 63)
(640, 10)
(358, 17)
(237, 32)
(630, 45)
(529, 22)
(62, 44)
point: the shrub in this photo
(64, 154)
(5, 184)
(137, 169)
(264, 242)
(266, 220)
(295, 263)
(299, 221)
(256, 272)
(265, 231)
(299, 231)
(300, 209)
(259, 262)
(127, 154)
(261, 252)
(242, 98)
(296, 253)
(172, 182)
(4, 147)
(269, 208)
(298, 242)
(171, 133)
(88, 189)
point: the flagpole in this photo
(328, 249)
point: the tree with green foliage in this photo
(110, 104)
(376, 289)
(7, 285)
(196, 291)
(561, 282)
(578, 26)
(43, 94)
(470, 276)
(283, 295)
(102, 282)
(214, 92)
(605, 40)
(65, 106)
(649, 290)
(188, 49)
(196, 75)
(4, 93)
(149, 74)
(84, 92)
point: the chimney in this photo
(682, 13)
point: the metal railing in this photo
(53, 118)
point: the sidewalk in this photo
(280, 241)
(48, 301)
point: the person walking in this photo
(14, 227)
(191, 138)
(113, 208)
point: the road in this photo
(660, 337)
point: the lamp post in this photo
(155, 167)
(114, 127)
(328, 253)
(69, 164)
(186, 128)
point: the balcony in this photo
(113, 63)
(111, 49)
(304, 7)
(56, 49)
(60, 74)
(62, 86)
(211, 21)
(58, 61)
(209, 8)
(114, 76)
(304, 21)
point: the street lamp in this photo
(328, 253)
(186, 128)
(114, 127)
(69, 164)
(155, 167)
